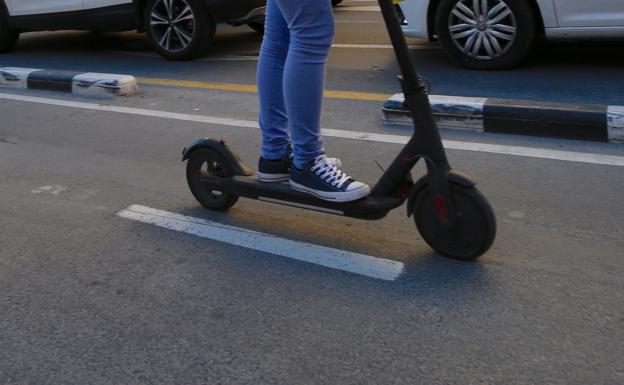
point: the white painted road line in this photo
(540, 153)
(360, 264)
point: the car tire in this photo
(492, 40)
(8, 36)
(185, 39)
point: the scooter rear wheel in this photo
(476, 223)
(202, 166)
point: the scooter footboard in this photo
(282, 193)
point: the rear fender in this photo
(220, 146)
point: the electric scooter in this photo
(452, 216)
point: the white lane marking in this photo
(51, 190)
(383, 46)
(361, 264)
(540, 153)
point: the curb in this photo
(81, 83)
(518, 117)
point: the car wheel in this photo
(486, 34)
(178, 29)
(8, 36)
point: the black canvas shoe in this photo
(324, 179)
(274, 170)
(279, 170)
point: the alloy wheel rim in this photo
(173, 24)
(482, 29)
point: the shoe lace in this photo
(329, 172)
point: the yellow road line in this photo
(349, 95)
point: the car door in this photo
(592, 13)
(92, 4)
(110, 15)
(34, 7)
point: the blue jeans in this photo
(291, 77)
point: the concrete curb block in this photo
(82, 83)
(518, 117)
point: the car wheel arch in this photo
(140, 5)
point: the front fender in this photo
(454, 177)
(220, 146)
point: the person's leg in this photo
(273, 117)
(311, 25)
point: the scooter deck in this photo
(281, 193)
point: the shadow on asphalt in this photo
(78, 42)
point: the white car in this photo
(496, 34)
(177, 29)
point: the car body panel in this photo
(415, 12)
(594, 13)
(90, 4)
(562, 19)
(230, 10)
(585, 33)
(112, 15)
(220, 10)
(548, 12)
(33, 7)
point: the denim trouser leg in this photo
(291, 77)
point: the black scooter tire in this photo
(208, 163)
(476, 227)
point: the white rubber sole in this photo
(271, 178)
(348, 196)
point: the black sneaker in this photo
(324, 179)
(279, 170)
(274, 170)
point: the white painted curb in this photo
(615, 124)
(89, 83)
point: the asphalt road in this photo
(89, 297)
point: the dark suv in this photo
(177, 29)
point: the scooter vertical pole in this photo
(426, 135)
(426, 141)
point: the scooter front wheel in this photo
(476, 223)
(203, 166)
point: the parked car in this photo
(497, 34)
(177, 29)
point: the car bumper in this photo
(255, 15)
(237, 11)
(416, 24)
